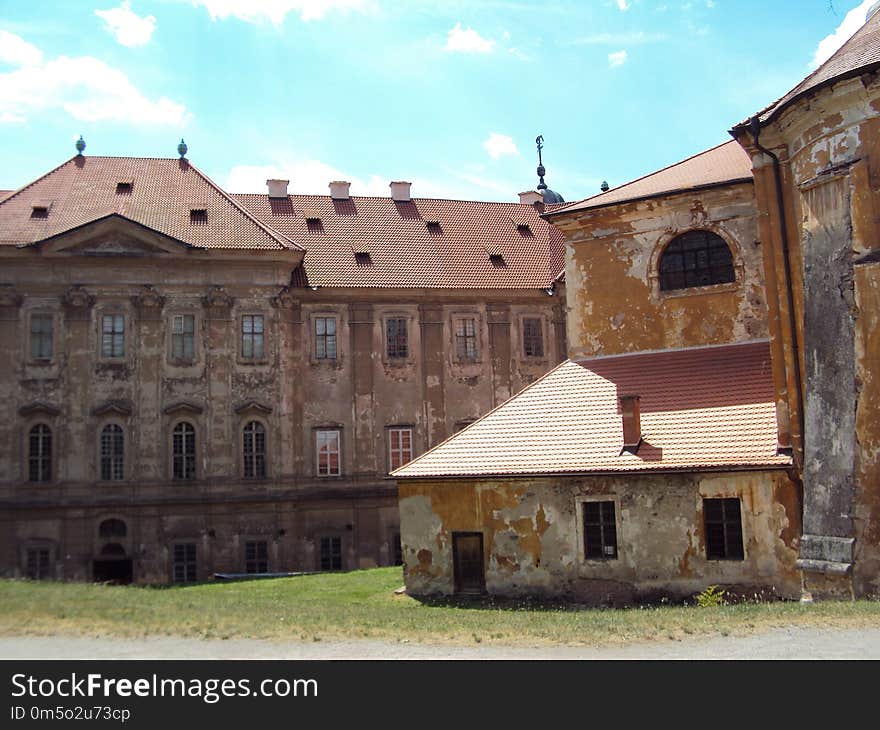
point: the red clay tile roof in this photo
(163, 193)
(854, 57)
(701, 408)
(726, 163)
(405, 251)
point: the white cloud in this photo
(467, 41)
(17, 51)
(618, 58)
(515, 52)
(84, 87)
(254, 11)
(853, 20)
(129, 28)
(500, 145)
(623, 5)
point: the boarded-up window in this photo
(724, 537)
(600, 531)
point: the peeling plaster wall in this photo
(533, 541)
(615, 304)
(829, 148)
(361, 393)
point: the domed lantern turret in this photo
(80, 145)
(182, 148)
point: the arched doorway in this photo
(112, 565)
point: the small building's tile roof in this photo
(162, 195)
(701, 408)
(859, 53)
(420, 243)
(727, 163)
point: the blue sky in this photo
(447, 94)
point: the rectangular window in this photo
(533, 337)
(37, 563)
(724, 537)
(183, 337)
(400, 449)
(396, 342)
(466, 339)
(256, 557)
(600, 531)
(325, 338)
(331, 553)
(327, 443)
(113, 335)
(184, 563)
(252, 342)
(41, 336)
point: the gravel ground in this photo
(793, 643)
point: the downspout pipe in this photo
(755, 128)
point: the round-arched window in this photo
(696, 258)
(112, 528)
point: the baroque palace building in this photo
(196, 383)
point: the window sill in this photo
(696, 291)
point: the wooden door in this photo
(467, 562)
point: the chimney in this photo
(277, 188)
(400, 191)
(530, 197)
(339, 190)
(632, 424)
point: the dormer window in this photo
(497, 260)
(40, 211)
(525, 230)
(363, 258)
(434, 228)
(198, 216)
(123, 188)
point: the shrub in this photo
(711, 596)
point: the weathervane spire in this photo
(539, 141)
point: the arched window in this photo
(696, 258)
(254, 450)
(183, 446)
(112, 528)
(40, 453)
(112, 453)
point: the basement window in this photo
(40, 211)
(600, 531)
(724, 537)
(123, 188)
(198, 216)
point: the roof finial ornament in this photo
(182, 148)
(539, 140)
(604, 186)
(80, 145)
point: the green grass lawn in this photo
(363, 604)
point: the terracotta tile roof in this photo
(163, 192)
(859, 53)
(4, 193)
(405, 251)
(726, 163)
(701, 408)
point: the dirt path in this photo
(793, 643)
